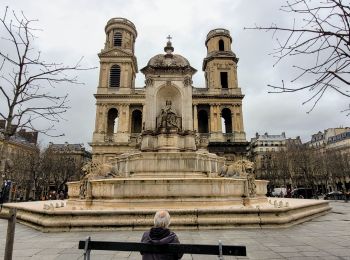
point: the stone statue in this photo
(241, 169)
(251, 184)
(95, 170)
(168, 117)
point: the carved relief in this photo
(149, 82)
(188, 81)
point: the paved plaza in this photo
(327, 237)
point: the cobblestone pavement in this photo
(326, 237)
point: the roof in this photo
(168, 61)
(18, 138)
(267, 137)
(161, 60)
(67, 147)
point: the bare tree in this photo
(27, 80)
(25, 174)
(59, 168)
(321, 32)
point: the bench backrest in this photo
(219, 250)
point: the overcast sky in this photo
(71, 29)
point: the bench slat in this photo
(167, 248)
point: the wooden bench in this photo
(219, 250)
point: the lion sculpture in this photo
(95, 170)
(242, 169)
(239, 169)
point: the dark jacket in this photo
(159, 236)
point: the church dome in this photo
(168, 62)
(173, 61)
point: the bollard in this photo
(10, 234)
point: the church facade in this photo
(130, 119)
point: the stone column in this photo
(240, 118)
(195, 118)
(218, 116)
(126, 120)
(212, 120)
(235, 119)
(103, 120)
(98, 118)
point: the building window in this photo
(117, 39)
(114, 77)
(223, 79)
(227, 120)
(203, 126)
(221, 45)
(136, 121)
(112, 121)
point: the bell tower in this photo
(219, 116)
(119, 106)
(220, 65)
(118, 62)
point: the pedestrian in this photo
(281, 194)
(61, 195)
(160, 234)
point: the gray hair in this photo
(162, 219)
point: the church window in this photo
(223, 79)
(203, 126)
(114, 77)
(117, 39)
(221, 45)
(226, 120)
(112, 121)
(136, 121)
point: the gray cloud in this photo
(72, 29)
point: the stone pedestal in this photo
(168, 164)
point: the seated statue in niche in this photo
(168, 118)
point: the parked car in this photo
(335, 195)
(303, 193)
(277, 192)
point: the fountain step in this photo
(261, 215)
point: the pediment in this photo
(115, 52)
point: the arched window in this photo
(117, 39)
(136, 121)
(221, 45)
(114, 77)
(112, 121)
(203, 126)
(226, 120)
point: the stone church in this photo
(130, 119)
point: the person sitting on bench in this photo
(160, 234)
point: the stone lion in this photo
(96, 170)
(239, 169)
